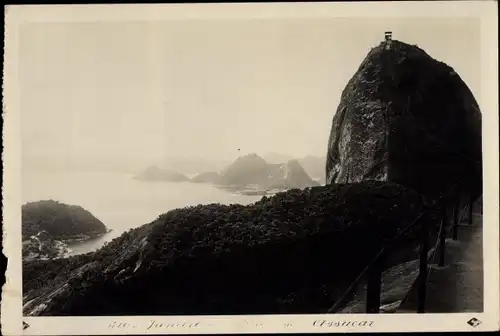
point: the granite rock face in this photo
(405, 117)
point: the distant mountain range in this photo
(250, 174)
(253, 170)
(188, 166)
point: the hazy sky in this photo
(139, 90)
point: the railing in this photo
(373, 272)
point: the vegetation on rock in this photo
(47, 227)
(293, 252)
(59, 220)
(404, 119)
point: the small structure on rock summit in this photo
(388, 40)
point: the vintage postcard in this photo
(251, 168)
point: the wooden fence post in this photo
(442, 236)
(373, 287)
(471, 209)
(424, 249)
(455, 219)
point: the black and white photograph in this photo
(170, 173)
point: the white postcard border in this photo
(11, 309)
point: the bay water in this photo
(118, 200)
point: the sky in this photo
(140, 91)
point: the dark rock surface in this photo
(407, 118)
(293, 252)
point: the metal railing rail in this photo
(373, 271)
(339, 303)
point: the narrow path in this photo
(458, 286)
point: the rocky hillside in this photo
(252, 170)
(43, 246)
(155, 174)
(245, 170)
(407, 118)
(47, 226)
(280, 255)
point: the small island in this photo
(156, 174)
(48, 227)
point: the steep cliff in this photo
(245, 170)
(407, 118)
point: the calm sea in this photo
(118, 200)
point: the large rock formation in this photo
(407, 118)
(245, 170)
(252, 170)
(295, 252)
